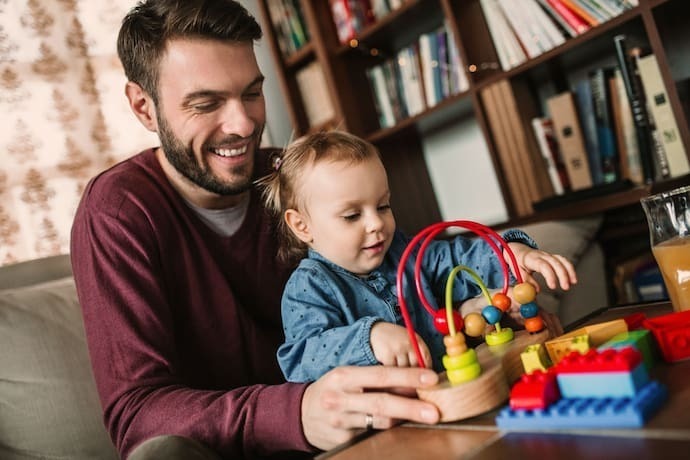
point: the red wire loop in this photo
(429, 233)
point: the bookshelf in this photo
(658, 25)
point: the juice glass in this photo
(668, 218)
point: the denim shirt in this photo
(328, 311)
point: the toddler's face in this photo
(348, 213)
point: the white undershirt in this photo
(225, 221)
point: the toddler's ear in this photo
(298, 225)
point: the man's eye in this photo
(205, 107)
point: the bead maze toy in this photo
(475, 380)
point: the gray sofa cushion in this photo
(49, 407)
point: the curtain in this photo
(63, 116)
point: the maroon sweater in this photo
(182, 324)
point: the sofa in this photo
(49, 408)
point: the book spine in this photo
(575, 21)
(576, 8)
(601, 97)
(558, 18)
(585, 111)
(665, 121)
(539, 125)
(628, 153)
(637, 107)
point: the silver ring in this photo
(369, 421)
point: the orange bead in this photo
(456, 350)
(454, 340)
(524, 293)
(474, 324)
(501, 301)
(534, 324)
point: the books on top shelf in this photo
(350, 17)
(508, 48)
(288, 24)
(316, 98)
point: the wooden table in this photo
(665, 436)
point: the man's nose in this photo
(236, 120)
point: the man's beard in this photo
(183, 160)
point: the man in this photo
(174, 261)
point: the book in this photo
(576, 8)
(664, 119)
(428, 57)
(558, 19)
(510, 53)
(548, 146)
(588, 123)
(601, 97)
(412, 89)
(570, 139)
(628, 152)
(498, 125)
(382, 102)
(457, 75)
(576, 22)
(316, 98)
(638, 106)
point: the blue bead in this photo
(529, 310)
(491, 314)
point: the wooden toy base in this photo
(501, 366)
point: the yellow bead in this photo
(474, 324)
(464, 374)
(456, 362)
(524, 293)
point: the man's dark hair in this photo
(149, 25)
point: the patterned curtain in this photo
(63, 116)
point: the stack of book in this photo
(524, 29)
(419, 77)
(288, 24)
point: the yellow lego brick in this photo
(535, 357)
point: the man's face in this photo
(211, 114)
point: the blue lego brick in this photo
(589, 412)
(603, 384)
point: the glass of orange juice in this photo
(668, 218)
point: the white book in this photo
(458, 76)
(557, 17)
(380, 91)
(525, 28)
(545, 22)
(413, 93)
(315, 94)
(510, 53)
(539, 125)
(429, 66)
(666, 125)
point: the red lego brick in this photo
(608, 360)
(672, 333)
(537, 390)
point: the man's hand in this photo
(391, 346)
(335, 407)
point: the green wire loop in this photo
(449, 294)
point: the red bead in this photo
(441, 321)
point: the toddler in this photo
(340, 307)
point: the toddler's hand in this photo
(556, 269)
(392, 347)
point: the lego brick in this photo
(537, 390)
(643, 342)
(589, 412)
(535, 358)
(624, 359)
(559, 347)
(603, 384)
(672, 334)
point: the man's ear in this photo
(298, 225)
(142, 105)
